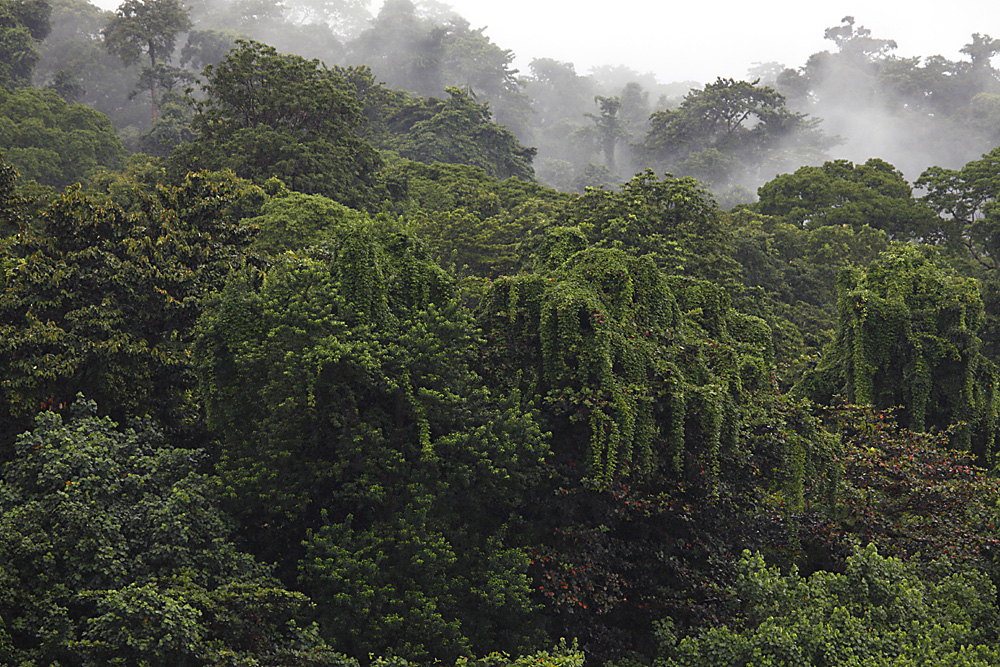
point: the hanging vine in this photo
(645, 363)
(907, 336)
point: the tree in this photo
(731, 132)
(669, 454)
(857, 42)
(609, 127)
(23, 23)
(375, 445)
(966, 201)
(910, 494)
(842, 193)
(907, 336)
(674, 220)
(11, 204)
(146, 27)
(101, 296)
(480, 225)
(460, 131)
(790, 275)
(53, 142)
(267, 114)
(114, 549)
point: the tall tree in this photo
(146, 27)
(609, 127)
(460, 130)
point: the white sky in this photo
(703, 39)
(680, 40)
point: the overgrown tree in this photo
(341, 384)
(907, 335)
(666, 455)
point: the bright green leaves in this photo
(673, 219)
(53, 142)
(113, 548)
(907, 335)
(842, 193)
(880, 611)
(602, 341)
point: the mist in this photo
(591, 123)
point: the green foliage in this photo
(53, 142)
(878, 612)
(564, 654)
(669, 452)
(674, 220)
(791, 272)
(482, 226)
(11, 204)
(459, 130)
(114, 550)
(102, 297)
(842, 193)
(295, 221)
(340, 384)
(23, 23)
(732, 130)
(907, 335)
(268, 115)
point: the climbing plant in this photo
(670, 450)
(604, 343)
(907, 336)
(361, 451)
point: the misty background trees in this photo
(330, 338)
